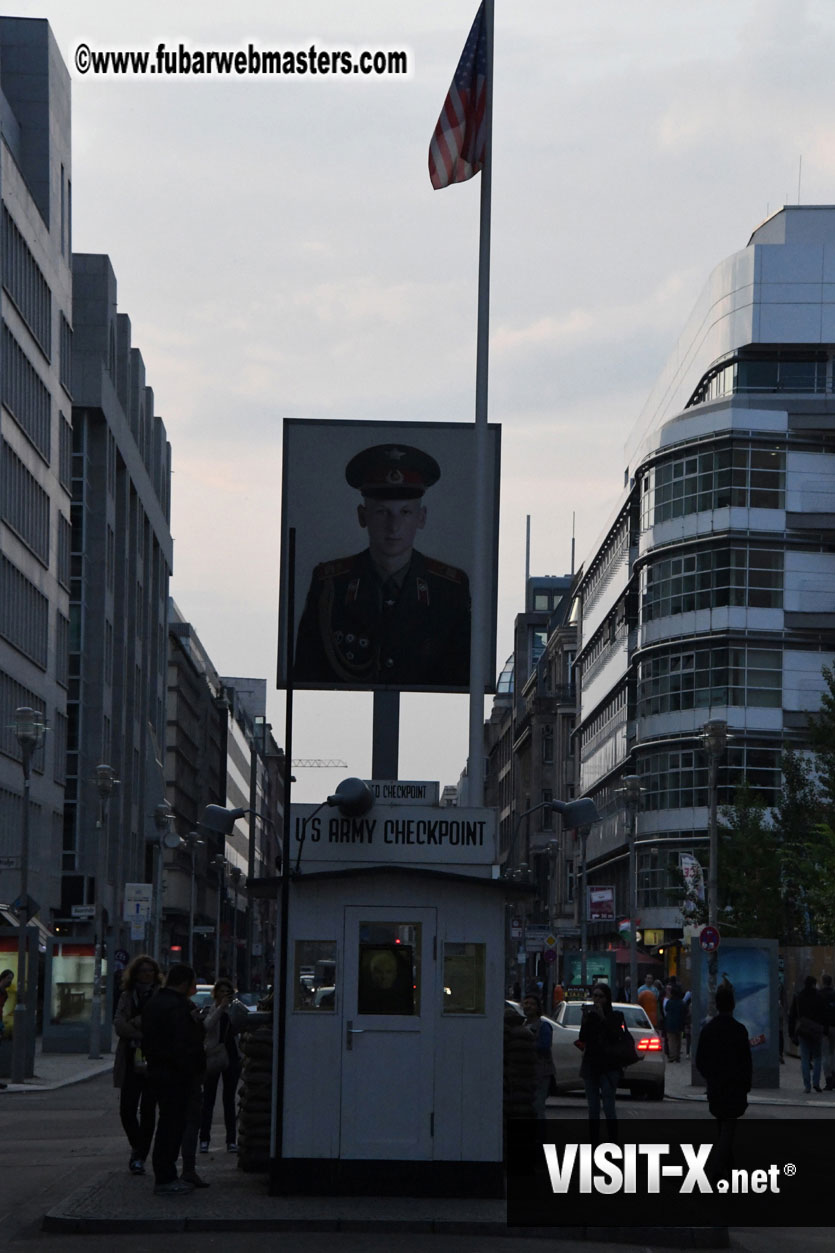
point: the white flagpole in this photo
(480, 637)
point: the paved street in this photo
(63, 1140)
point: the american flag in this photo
(458, 145)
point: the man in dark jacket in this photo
(723, 1058)
(172, 1040)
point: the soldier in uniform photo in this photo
(389, 615)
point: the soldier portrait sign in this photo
(383, 521)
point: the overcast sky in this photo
(280, 252)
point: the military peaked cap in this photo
(392, 472)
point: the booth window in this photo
(315, 975)
(464, 984)
(389, 968)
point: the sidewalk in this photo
(57, 1070)
(790, 1092)
(115, 1201)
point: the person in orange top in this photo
(648, 999)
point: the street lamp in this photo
(632, 792)
(105, 782)
(29, 728)
(714, 741)
(235, 874)
(191, 842)
(219, 862)
(166, 838)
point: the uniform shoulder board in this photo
(443, 571)
(332, 569)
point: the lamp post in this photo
(714, 741)
(235, 874)
(219, 862)
(105, 782)
(30, 729)
(584, 913)
(191, 842)
(632, 791)
(166, 838)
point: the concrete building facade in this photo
(35, 443)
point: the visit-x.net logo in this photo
(668, 1173)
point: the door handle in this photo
(350, 1030)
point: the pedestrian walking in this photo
(220, 1042)
(172, 1040)
(807, 1022)
(601, 1036)
(828, 997)
(137, 1106)
(542, 1032)
(519, 1068)
(723, 1059)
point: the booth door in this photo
(388, 1018)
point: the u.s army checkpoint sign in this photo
(395, 835)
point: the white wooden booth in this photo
(393, 1080)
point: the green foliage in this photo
(750, 898)
(822, 743)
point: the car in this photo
(646, 1077)
(202, 996)
(250, 999)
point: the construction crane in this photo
(320, 763)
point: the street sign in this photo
(405, 791)
(203, 930)
(709, 939)
(83, 911)
(550, 955)
(10, 861)
(536, 934)
(517, 928)
(137, 930)
(138, 902)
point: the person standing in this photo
(6, 979)
(600, 1032)
(542, 1033)
(723, 1059)
(140, 980)
(648, 999)
(220, 1031)
(172, 1040)
(675, 1017)
(807, 1022)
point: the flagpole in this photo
(481, 634)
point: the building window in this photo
(24, 505)
(24, 614)
(548, 744)
(711, 578)
(710, 676)
(25, 395)
(547, 823)
(26, 285)
(729, 475)
(679, 779)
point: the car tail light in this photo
(649, 1044)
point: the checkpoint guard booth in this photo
(393, 1049)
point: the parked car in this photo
(646, 1077)
(202, 997)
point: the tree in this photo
(806, 854)
(822, 743)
